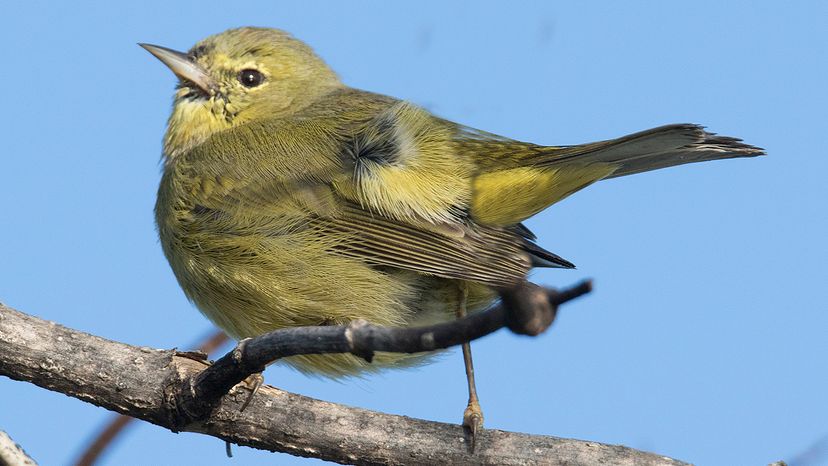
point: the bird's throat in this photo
(192, 122)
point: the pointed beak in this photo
(183, 67)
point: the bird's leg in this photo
(473, 415)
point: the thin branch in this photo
(527, 309)
(105, 438)
(145, 383)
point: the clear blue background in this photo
(706, 337)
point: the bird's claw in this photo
(472, 422)
(252, 382)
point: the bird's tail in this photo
(542, 176)
(652, 149)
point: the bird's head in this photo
(237, 76)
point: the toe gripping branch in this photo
(526, 309)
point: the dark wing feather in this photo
(487, 255)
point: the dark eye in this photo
(250, 78)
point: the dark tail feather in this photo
(656, 148)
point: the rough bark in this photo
(143, 383)
(12, 454)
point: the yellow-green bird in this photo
(290, 199)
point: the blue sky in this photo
(707, 335)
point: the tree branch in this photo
(12, 454)
(146, 383)
(116, 425)
(527, 309)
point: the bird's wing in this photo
(495, 257)
(376, 184)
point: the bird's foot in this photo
(252, 383)
(472, 422)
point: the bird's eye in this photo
(251, 78)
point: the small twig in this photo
(527, 309)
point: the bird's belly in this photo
(255, 284)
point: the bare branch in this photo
(144, 383)
(119, 422)
(104, 439)
(527, 309)
(12, 454)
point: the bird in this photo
(290, 199)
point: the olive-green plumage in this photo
(289, 199)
